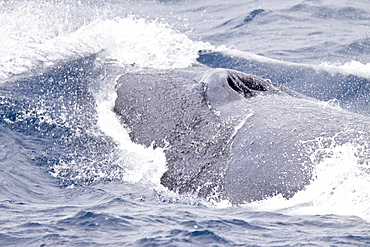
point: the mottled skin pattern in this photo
(229, 135)
(171, 112)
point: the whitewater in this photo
(70, 174)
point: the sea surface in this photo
(69, 173)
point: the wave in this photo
(31, 46)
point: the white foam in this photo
(353, 67)
(341, 186)
(149, 44)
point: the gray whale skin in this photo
(233, 136)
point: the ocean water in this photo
(71, 176)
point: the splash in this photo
(139, 164)
(40, 38)
(340, 184)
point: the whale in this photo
(233, 136)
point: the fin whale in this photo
(230, 135)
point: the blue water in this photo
(71, 177)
